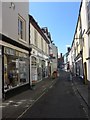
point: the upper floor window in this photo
(41, 43)
(88, 13)
(21, 28)
(35, 37)
(46, 47)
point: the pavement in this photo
(82, 88)
(16, 105)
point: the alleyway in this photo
(59, 102)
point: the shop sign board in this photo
(39, 55)
(9, 51)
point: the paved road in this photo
(59, 101)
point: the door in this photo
(85, 72)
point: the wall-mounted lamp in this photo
(12, 5)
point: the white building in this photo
(80, 47)
(54, 58)
(87, 11)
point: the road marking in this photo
(19, 102)
(35, 101)
(31, 105)
(1, 106)
(44, 89)
(15, 105)
(11, 101)
(5, 104)
(51, 86)
(23, 100)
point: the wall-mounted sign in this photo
(9, 51)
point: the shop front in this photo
(0, 72)
(79, 67)
(33, 69)
(39, 69)
(16, 68)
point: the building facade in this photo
(15, 47)
(48, 35)
(54, 58)
(88, 33)
(60, 61)
(40, 52)
(80, 45)
(0, 52)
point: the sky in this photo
(60, 18)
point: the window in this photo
(88, 13)
(21, 28)
(34, 61)
(35, 37)
(42, 43)
(80, 25)
(46, 47)
(16, 68)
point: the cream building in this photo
(40, 52)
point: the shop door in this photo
(85, 72)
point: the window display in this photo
(15, 68)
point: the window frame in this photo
(88, 13)
(23, 30)
(35, 37)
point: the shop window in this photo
(10, 71)
(23, 70)
(34, 61)
(16, 69)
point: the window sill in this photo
(18, 85)
(22, 40)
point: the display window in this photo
(16, 68)
(33, 68)
(43, 68)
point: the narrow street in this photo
(60, 101)
(44, 59)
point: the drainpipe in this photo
(3, 94)
(30, 49)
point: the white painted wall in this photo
(10, 19)
(88, 61)
(0, 17)
(54, 61)
(70, 60)
(86, 38)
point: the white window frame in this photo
(35, 37)
(23, 29)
